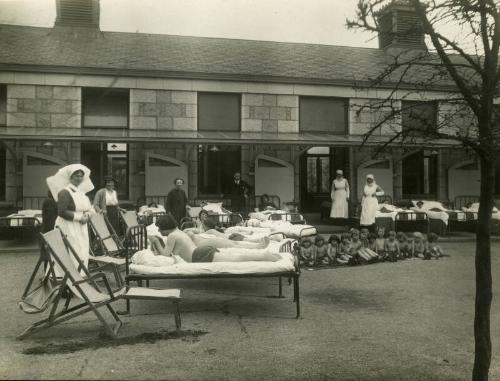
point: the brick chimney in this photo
(77, 13)
(400, 27)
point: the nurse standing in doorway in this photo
(340, 196)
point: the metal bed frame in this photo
(137, 238)
(293, 218)
(19, 226)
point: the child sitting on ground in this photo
(391, 247)
(366, 250)
(434, 249)
(345, 249)
(333, 251)
(372, 243)
(356, 246)
(357, 249)
(419, 247)
(404, 246)
(307, 253)
(322, 257)
(363, 236)
(380, 244)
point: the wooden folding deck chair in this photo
(110, 246)
(42, 287)
(93, 298)
(128, 219)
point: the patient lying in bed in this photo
(179, 243)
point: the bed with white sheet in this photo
(278, 215)
(24, 221)
(443, 219)
(217, 212)
(285, 227)
(392, 217)
(149, 214)
(144, 267)
(472, 210)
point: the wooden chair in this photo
(85, 287)
(128, 219)
(107, 242)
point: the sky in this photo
(309, 21)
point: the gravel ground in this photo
(410, 320)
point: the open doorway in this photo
(317, 168)
(107, 159)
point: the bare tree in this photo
(466, 65)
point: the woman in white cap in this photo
(369, 203)
(68, 187)
(339, 196)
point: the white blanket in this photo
(285, 227)
(434, 214)
(145, 210)
(388, 211)
(145, 262)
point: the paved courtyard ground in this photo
(409, 320)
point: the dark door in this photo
(105, 159)
(317, 168)
(216, 167)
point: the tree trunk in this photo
(482, 335)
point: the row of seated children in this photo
(360, 246)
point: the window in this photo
(3, 105)
(320, 114)
(216, 167)
(418, 117)
(105, 108)
(420, 175)
(219, 112)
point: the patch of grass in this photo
(104, 341)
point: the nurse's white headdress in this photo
(370, 176)
(61, 179)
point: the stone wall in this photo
(367, 113)
(270, 113)
(43, 106)
(163, 110)
(456, 118)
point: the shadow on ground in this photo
(106, 342)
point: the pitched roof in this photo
(66, 50)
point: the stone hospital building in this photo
(148, 108)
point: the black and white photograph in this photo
(250, 190)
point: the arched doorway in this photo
(274, 177)
(161, 171)
(36, 168)
(317, 169)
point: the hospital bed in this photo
(393, 217)
(23, 222)
(470, 206)
(287, 267)
(278, 215)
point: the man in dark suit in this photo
(238, 192)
